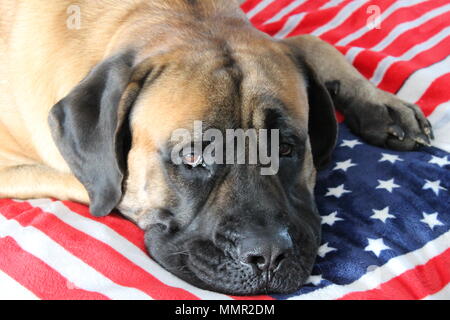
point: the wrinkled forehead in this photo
(224, 89)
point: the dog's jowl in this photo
(89, 112)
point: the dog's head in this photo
(224, 227)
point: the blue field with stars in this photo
(377, 204)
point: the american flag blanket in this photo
(386, 214)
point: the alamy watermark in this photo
(236, 146)
(73, 20)
(374, 21)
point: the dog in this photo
(87, 115)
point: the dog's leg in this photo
(377, 116)
(37, 181)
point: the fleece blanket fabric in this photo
(385, 214)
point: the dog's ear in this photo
(323, 128)
(90, 128)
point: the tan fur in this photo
(43, 60)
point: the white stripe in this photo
(10, 289)
(341, 17)
(260, 7)
(440, 120)
(75, 270)
(403, 27)
(389, 11)
(384, 64)
(418, 83)
(393, 268)
(444, 294)
(290, 25)
(352, 53)
(285, 11)
(107, 235)
(332, 3)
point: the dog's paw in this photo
(392, 123)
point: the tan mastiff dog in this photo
(87, 114)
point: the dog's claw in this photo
(429, 130)
(423, 140)
(424, 123)
(396, 131)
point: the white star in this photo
(376, 246)
(440, 161)
(315, 280)
(324, 250)
(389, 185)
(382, 215)
(392, 158)
(330, 219)
(337, 192)
(350, 143)
(344, 165)
(431, 220)
(433, 185)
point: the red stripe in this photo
(270, 11)
(37, 276)
(373, 37)
(314, 19)
(366, 62)
(357, 20)
(317, 19)
(416, 283)
(418, 35)
(114, 221)
(340, 117)
(310, 5)
(97, 254)
(436, 94)
(399, 72)
(343, 49)
(274, 27)
(249, 5)
(369, 60)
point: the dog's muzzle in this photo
(236, 256)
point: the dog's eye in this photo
(193, 160)
(286, 150)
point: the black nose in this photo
(266, 251)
